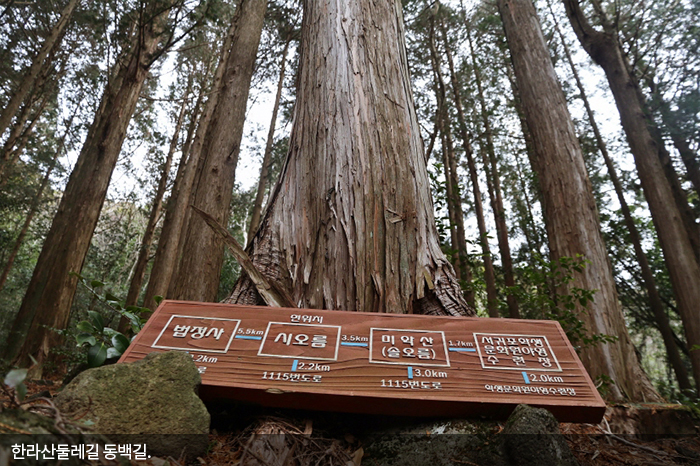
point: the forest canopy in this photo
(505, 159)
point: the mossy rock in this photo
(151, 401)
(531, 437)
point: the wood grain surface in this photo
(374, 363)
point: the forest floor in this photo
(592, 445)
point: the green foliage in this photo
(438, 187)
(103, 342)
(603, 384)
(547, 292)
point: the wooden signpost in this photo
(374, 363)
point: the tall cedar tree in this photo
(350, 224)
(48, 299)
(170, 243)
(655, 303)
(493, 177)
(147, 239)
(36, 67)
(203, 250)
(569, 208)
(675, 237)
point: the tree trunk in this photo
(493, 182)
(493, 179)
(453, 191)
(171, 242)
(15, 133)
(48, 299)
(648, 280)
(267, 156)
(37, 64)
(535, 237)
(688, 156)
(18, 139)
(572, 219)
(351, 225)
(674, 238)
(145, 250)
(489, 275)
(203, 253)
(35, 205)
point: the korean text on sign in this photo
(408, 347)
(515, 352)
(304, 341)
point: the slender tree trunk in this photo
(489, 275)
(19, 137)
(34, 206)
(572, 219)
(449, 194)
(688, 156)
(17, 130)
(674, 237)
(267, 157)
(164, 258)
(433, 136)
(648, 280)
(350, 224)
(37, 64)
(48, 299)
(171, 242)
(203, 253)
(537, 236)
(454, 196)
(492, 177)
(145, 250)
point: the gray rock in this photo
(152, 401)
(531, 437)
(430, 443)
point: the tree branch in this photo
(271, 292)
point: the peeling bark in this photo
(350, 225)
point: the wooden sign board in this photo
(375, 363)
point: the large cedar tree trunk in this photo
(50, 293)
(203, 251)
(571, 215)
(675, 238)
(350, 225)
